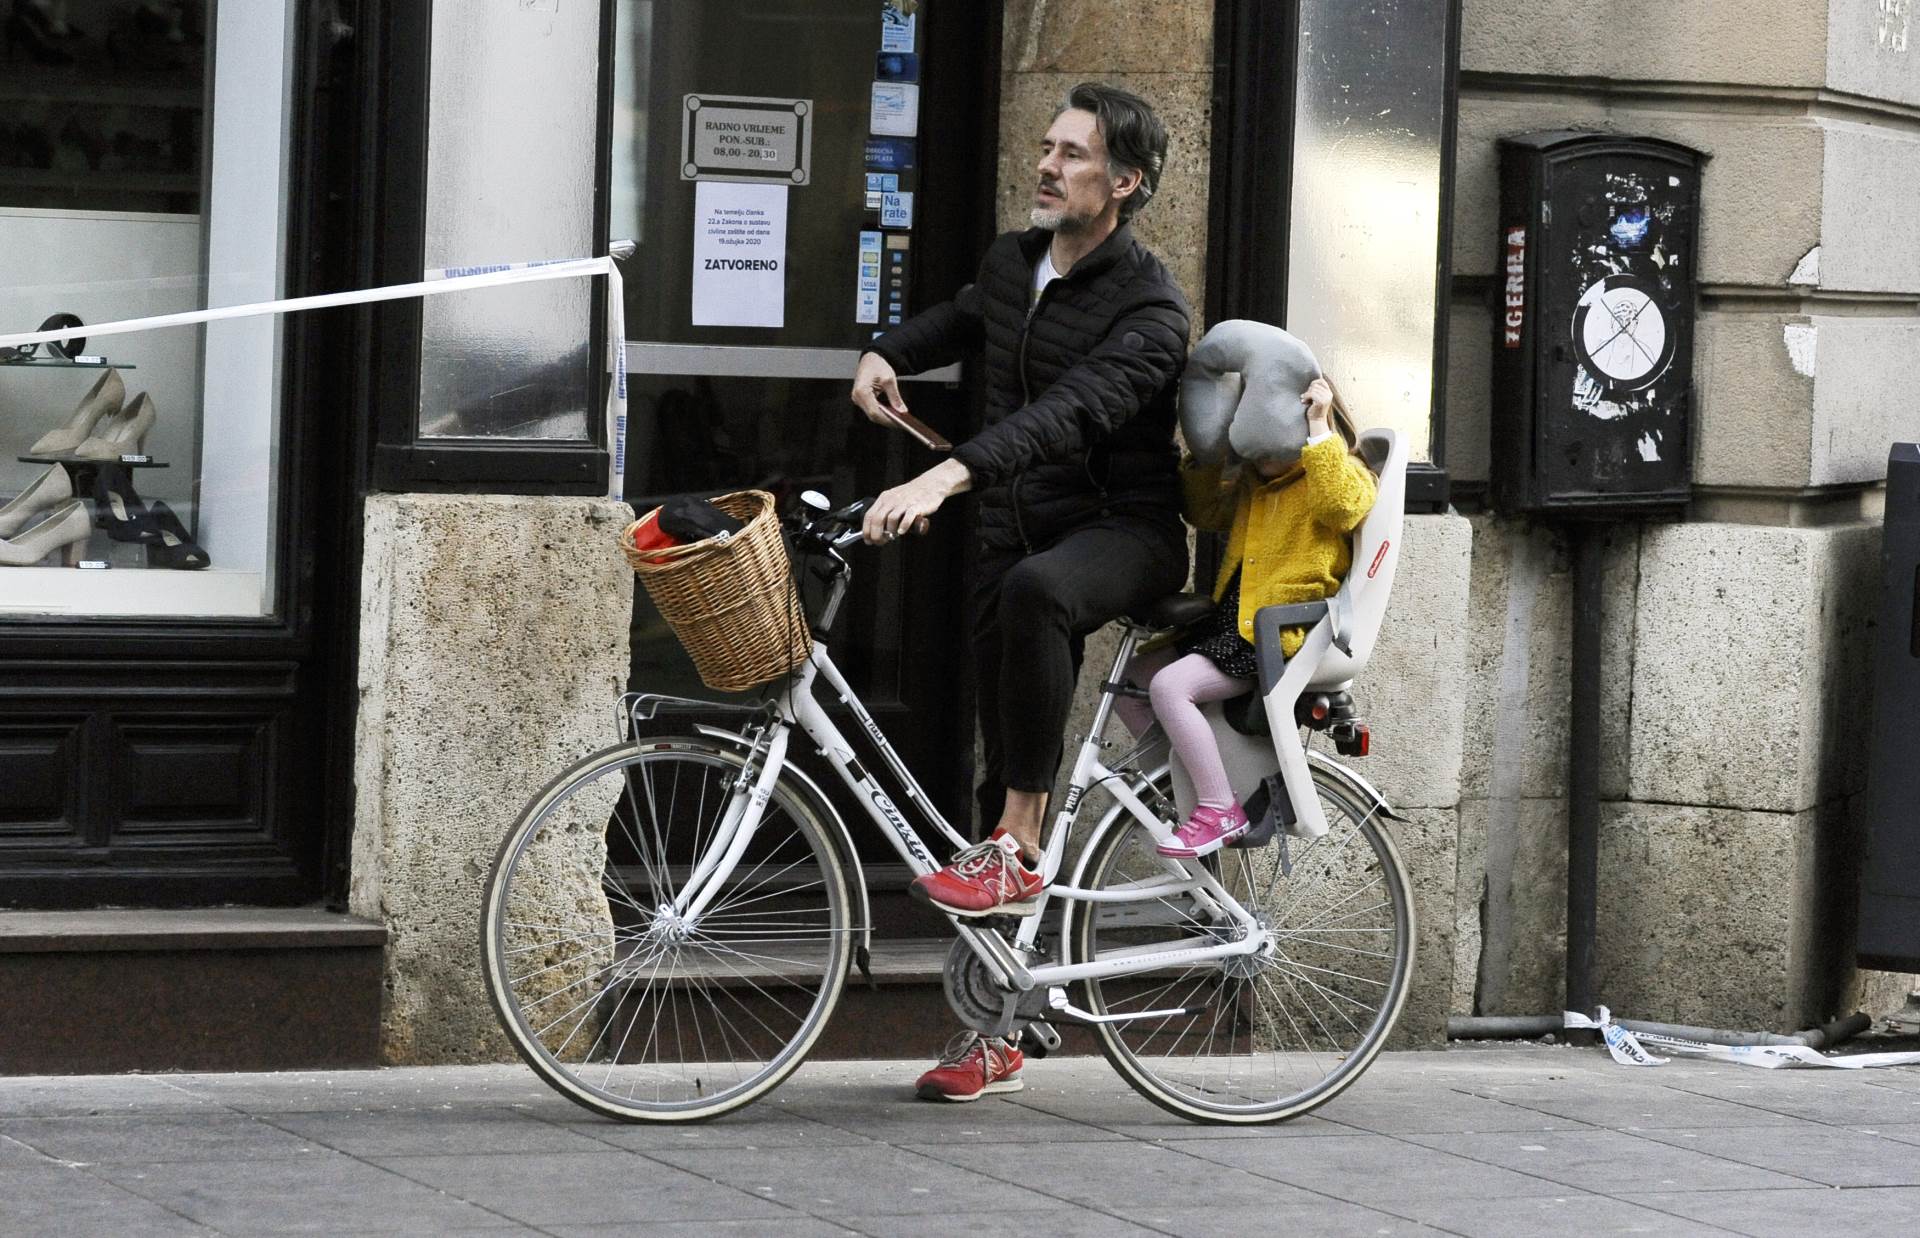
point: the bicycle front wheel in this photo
(608, 989)
(1266, 1036)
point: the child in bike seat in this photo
(1273, 465)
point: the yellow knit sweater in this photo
(1287, 537)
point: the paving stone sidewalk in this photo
(1474, 1141)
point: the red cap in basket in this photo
(648, 535)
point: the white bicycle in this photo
(669, 925)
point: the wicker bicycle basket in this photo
(731, 601)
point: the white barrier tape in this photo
(453, 279)
(1631, 1049)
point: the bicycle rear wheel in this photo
(1272, 1035)
(622, 1004)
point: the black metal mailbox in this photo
(1889, 935)
(1593, 344)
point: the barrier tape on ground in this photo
(1635, 1049)
(452, 279)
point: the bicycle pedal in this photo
(1039, 1038)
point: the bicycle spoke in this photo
(620, 1002)
(1291, 1022)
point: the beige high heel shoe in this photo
(66, 529)
(51, 488)
(122, 435)
(103, 401)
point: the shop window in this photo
(1346, 240)
(511, 380)
(1370, 150)
(141, 174)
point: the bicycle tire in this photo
(1325, 1061)
(544, 868)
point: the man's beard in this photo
(1057, 218)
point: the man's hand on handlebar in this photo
(907, 507)
(876, 388)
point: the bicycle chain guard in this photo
(979, 1001)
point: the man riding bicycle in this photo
(1082, 334)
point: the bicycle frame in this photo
(796, 704)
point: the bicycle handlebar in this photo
(834, 530)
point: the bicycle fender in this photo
(1355, 783)
(842, 836)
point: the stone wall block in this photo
(1761, 197)
(1754, 374)
(1724, 650)
(493, 647)
(1836, 713)
(1705, 916)
(1873, 49)
(1412, 692)
(1534, 979)
(1751, 662)
(1866, 376)
(1426, 842)
(1174, 224)
(1469, 389)
(1867, 239)
(1520, 592)
(1620, 599)
(1699, 41)
(1108, 36)
(1537, 732)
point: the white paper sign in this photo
(896, 210)
(739, 255)
(896, 109)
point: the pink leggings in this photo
(1179, 686)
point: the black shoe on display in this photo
(174, 549)
(118, 510)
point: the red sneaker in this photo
(972, 1066)
(984, 880)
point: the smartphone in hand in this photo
(918, 428)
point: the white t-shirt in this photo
(1043, 274)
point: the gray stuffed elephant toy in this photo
(1241, 394)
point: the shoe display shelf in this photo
(103, 113)
(127, 586)
(63, 363)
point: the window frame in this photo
(402, 460)
(1253, 111)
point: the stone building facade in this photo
(1735, 637)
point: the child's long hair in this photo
(1343, 416)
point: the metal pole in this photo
(1583, 767)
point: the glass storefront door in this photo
(775, 165)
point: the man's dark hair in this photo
(1136, 140)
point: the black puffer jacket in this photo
(1080, 396)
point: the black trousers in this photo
(1031, 616)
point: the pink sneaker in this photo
(1206, 831)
